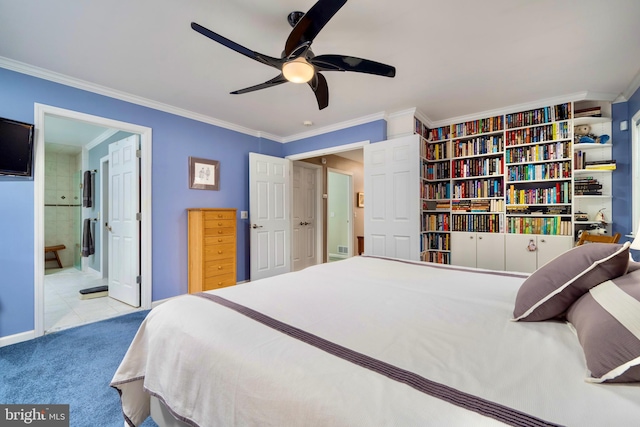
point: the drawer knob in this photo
(219, 223)
(219, 231)
(219, 252)
(219, 267)
(219, 215)
(219, 240)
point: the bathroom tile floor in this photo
(63, 307)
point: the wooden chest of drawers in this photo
(212, 248)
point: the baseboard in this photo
(341, 256)
(17, 338)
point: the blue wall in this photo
(622, 176)
(174, 140)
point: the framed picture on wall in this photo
(204, 174)
(360, 199)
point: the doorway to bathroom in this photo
(61, 166)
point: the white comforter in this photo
(215, 367)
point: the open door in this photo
(269, 215)
(123, 227)
(392, 190)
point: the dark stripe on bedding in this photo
(450, 267)
(464, 400)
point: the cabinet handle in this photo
(541, 240)
(471, 237)
(479, 237)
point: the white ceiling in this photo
(454, 58)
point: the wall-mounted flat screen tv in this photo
(16, 148)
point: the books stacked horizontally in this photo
(600, 165)
(587, 186)
(588, 112)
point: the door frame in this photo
(42, 110)
(350, 203)
(319, 204)
(104, 212)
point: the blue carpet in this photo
(74, 367)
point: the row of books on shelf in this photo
(433, 171)
(477, 205)
(435, 190)
(489, 223)
(479, 145)
(539, 116)
(539, 225)
(538, 210)
(436, 257)
(475, 127)
(484, 187)
(435, 151)
(435, 205)
(477, 166)
(536, 153)
(540, 171)
(435, 221)
(436, 242)
(559, 193)
(532, 135)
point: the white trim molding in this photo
(40, 111)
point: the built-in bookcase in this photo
(522, 173)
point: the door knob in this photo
(302, 223)
(256, 226)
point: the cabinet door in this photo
(550, 247)
(463, 248)
(517, 254)
(490, 251)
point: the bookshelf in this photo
(538, 160)
(436, 192)
(513, 182)
(593, 182)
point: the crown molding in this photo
(336, 126)
(578, 96)
(100, 138)
(52, 76)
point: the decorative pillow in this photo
(607, 322)
(633, 266)
(552, 288)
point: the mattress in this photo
(212, 364)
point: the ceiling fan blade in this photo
(265, 59)
(273, 82)
(319, 86)
(351, 63)
(311, 23)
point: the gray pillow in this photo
(607, 322)
(552, 288)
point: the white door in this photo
(123, 226)
(270, 215)
(490, 251)
(392, 198)
(304, 219)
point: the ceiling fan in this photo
(297, 63)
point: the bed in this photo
(366, 341)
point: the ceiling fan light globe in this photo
(298, 71)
